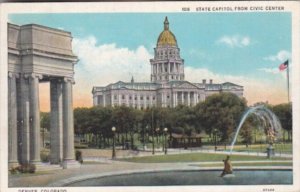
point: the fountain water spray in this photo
(267, 117)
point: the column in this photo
(95, 100)
(151, 100)
(173, 99)
(12, 121)
(127, 100)
(182, 98)
(195, 98)
(176, 98)
(119, 99)
(162, 99)
(104, 99)
(68, 125)
(34, 118)
(56, 122)
(145, 101)
(169, 67)
(24, 121)
(151, 69)
(112, 99)
(138, 101)
(188, 99)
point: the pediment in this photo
(187, 85)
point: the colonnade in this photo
(166, 99)
(24, 119)
(134, 100)
(189, 98)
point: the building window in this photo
(153, 97)
(115, 97)
(130, 97)
(135, 98)
(147, 97)
(168, 96)
(142, 98)
(123, 97)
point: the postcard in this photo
(164, 96)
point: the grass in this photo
(196, 157)
(249, 164)
(286, 148)
(279, 148)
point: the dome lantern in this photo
(166, 24)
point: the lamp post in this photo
(215, 133)
(152, 127)
(113, 150)
(157, 133)
(144, 137)
(165, 133)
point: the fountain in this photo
(270, 123)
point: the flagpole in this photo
(288, 82)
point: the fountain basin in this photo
(192, 177)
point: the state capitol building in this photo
(167, 87)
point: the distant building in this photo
(167, 87)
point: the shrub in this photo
(26, 168)
(13, 170)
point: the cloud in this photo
(270, 70)
(100, 65)
(255, 90)
(281, 56)
(235, 41)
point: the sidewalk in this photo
(203, 150)
(86, 171)
(104, 166)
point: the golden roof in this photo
(166, 37)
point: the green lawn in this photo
(250, 164)
(279, 148)
(195, 157)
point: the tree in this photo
(45, 120)
(81, 120)
(284, 114)
(183, 117)
(100, 124)
(222, 112)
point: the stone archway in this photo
(40, 54)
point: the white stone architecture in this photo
(38, 54)
(167, 87)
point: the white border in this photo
(110, 7)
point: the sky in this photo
(242, 48)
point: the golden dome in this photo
(166, 37)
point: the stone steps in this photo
(47, 167)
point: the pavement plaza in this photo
(106, 167)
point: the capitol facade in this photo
(167, 88)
